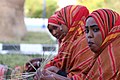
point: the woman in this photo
(67, 26)
(103, 35)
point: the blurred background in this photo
(23, 27)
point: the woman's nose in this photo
(54, 32)
(90, 34)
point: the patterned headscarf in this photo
(106, 65)
(74, 53)
(107, 20)
(72, 16)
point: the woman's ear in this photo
(61, 28)
(48, 26)
(64, 28)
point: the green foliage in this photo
(37, 38)
(113, 4)
(34, 8)
(51, 7)
(96, 4)
(34, 38)
(92, 4)
(13, 60)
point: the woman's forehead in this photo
(90, 21)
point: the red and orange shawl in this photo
(106, 64)
(73, 16)
(71, 55)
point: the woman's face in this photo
(93, 34)
(58, 32)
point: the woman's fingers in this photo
(43, 75)
(53, 69)
(33, 65)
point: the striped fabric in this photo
(106, 65)
(73, 52)
(73, 16)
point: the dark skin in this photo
(58, 32)
(94, 38)
(48, 75)
(93, 34)
(29, 68)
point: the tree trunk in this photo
(12, 26)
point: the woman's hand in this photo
(33, 64)
(53, 69)
(48, 75)
(43, 75)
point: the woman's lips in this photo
(57, 36)
(90, 43)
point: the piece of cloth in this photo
(72, 16)
(3, 72)
(62, 73)
(106, 64)
(74, 54)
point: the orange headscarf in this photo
(72, 16)
(106, 65)
(71, 55)
(107, 20)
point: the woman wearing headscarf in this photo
(67, 25)
(103, 35)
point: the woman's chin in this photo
(94, 49)
(61, 37)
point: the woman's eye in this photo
(54, 27)
(50, 31)
(96, 29)
(86, 30)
